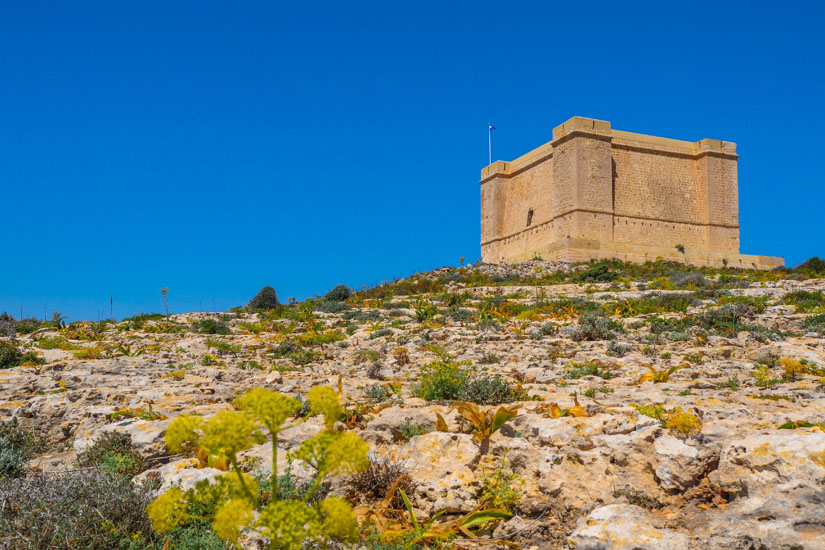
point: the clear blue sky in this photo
(214, 148)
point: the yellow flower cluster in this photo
(184, 431)
(324, 400)
(339, 523)
(332, 452)
(231, 518)
(168, 510)
(287, 524)
(268, 407)
(228, 433)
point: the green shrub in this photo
(596, 273)
(592, 368)
(77, 509)
(378, 333)
(492, 390)
(814, 323)
(377, 392)
(691, 280)
(210, 326)
(17, 446)
(442, 381)
(595, 327)
(8, 326)
(340, 293)
(446, 380)
(330, 307)
(10, 356)
(548, 329)
(728, 320)
(812, 266)
(114, 454)
(26, 326)
(265, 299)
(804, 300)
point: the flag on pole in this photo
(491, 127)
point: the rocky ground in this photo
(727, 452)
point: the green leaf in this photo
(409, 509)
(483, 516)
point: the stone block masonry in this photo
(594, 192)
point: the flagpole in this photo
(489, 143)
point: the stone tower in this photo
(595, 192)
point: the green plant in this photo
(442, 380)
(377, 392)
(222, 346)
(595, 327)
(114, 454)
(591, 368)
(210, 326)
(17, 445)
(340, 293)
(804, 300)
(75, 509)
(10, 356)
(637, 498)
(266, 299)
(673, 419)
(500, 488)
(732, 383)
(680, 248)
(599, 272)
(814, 323)
(483, 424)
(656, 375)
(408, 430)
(424, 310)
(492, 390)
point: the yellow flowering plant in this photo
(231, 501)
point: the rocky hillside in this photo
(646, 407)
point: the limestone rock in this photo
(624, 527)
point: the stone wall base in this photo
(580, 250)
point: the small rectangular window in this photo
(529, 217)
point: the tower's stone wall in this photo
(595, 192)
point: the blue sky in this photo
(214, 148)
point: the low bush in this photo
(114, 454)
(446, 380)
(77, 509)
(340, 293)
(728, 320)
(492, 390)
(591, 368)
(595, 327)
(10, 355)
(596, 273)
(326, 306)
(814, 323)
(813, 266)
(689, 280)
(8, 326)
(804, 300)
(442, 381)
(377, 479)
(266, 299)
(210, 326)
